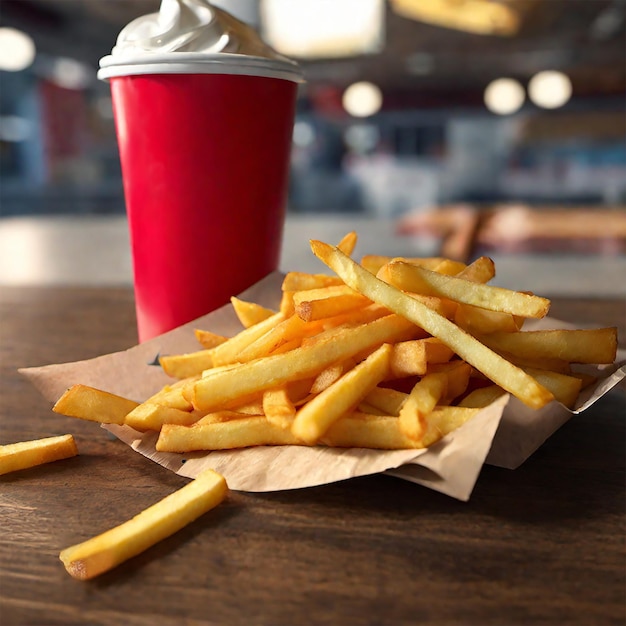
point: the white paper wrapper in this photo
(505, 434)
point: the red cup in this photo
(205, 164)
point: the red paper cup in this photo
(204, 149)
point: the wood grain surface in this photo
(544, 544)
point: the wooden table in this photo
(544, 544)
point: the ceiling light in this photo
(324, 28)
(362, 99)
(17, 50)
(482, 17)
(504, 96)
(550, 89)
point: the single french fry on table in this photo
(103, 552)
(26, 454)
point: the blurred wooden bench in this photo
(464, 229)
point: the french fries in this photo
(25, 454)
(99, 554)
(93, 404)
(492, 365)
(386, 353)
(389, 353)
(314, 419)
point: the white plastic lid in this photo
(199, 63)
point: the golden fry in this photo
(250, 313)
(411, 358)
(207, 339)
(315, 417)
(278, 407)
(187, 365)
(574, 346)
(317, 304)
(173, 396)
(420, 280)
(224, 435)
(95, 405)
(373, 263)
(387, 401)
(482, 270)
(482, 397)
(150, 416)
(478, 321)
(348, 243)
(384, 432)
(564, 388)
(422, 400)
(25, 454)
(288, 331)
(301, 281)
(330, 375)
(104, 552)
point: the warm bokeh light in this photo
(17, 50)
(550, 89)
(483, 17)
(504, 96)
(362, 99)
(324, 28)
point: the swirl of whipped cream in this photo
(190, 26)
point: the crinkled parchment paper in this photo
(504, 434)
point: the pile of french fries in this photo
(384, 353)
(387, 353)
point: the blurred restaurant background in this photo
(408, 105)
